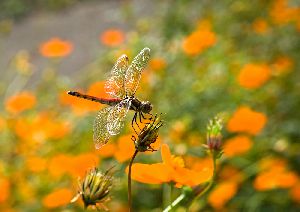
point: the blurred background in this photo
(235, 59)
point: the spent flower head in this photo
(148, 135)
(94, 188)
(214, 136)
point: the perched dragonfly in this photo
(121, 86)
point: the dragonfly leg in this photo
(142, 117)
(134, 121)
(133, 138)
(151, 149)
(146, 118)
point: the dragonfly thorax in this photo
(137, 105)
(146, 107)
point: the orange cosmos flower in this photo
(254, 75)
(42, 127)
(281, 13)
(199, 164)
(22, 101)
(260, 26)
(75, 166)
(5, 189)
(221, 194)
(59, 164)
(57, 198)
(282, 65)
(112, 37)
(170, 170)
(295, 192)
(56, 47)
(237, 145)
(246, 120)
(108, 150)
(157, 64)
(275, 179)
(274, 174)
(274, 164)
(81, 163)
(36, 164)
(199, 40)
(98, 89)
(125, 148)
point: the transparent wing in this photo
(101, 135)
(133, 74)
(115, 119)
(115, 83)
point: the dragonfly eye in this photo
(146, 107)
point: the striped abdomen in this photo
(110, 101)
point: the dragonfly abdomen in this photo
(111, 101)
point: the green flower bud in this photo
(148, 135)
(94, 188)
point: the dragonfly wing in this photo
(115, 119)
(101, 135)
(133, 74)
(115, 83)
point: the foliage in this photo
(236, 59)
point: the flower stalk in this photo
(214, 148)
(129, 180)
(147, 136)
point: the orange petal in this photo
(151, 173)
(36, 164)
(98, 89)
(112, 37)
(108, 150)
(190, 177)
(166, 155)
(246, 120)
(57, 198)
(237, 145)
(56, 47)
(253, 76)
(125, 149)
(59, 165)
(22, 101)
(5, 189)
(221, 194)
(295, 193)
(80, 164)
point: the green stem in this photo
(174, 203)
(129, 180)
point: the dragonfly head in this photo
(146, 107)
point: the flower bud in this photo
(148, 135)
(214, 136)
(94, 188)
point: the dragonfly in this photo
(121, 85)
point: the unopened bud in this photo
(94, 188)
(214, 136)
(148, 135)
